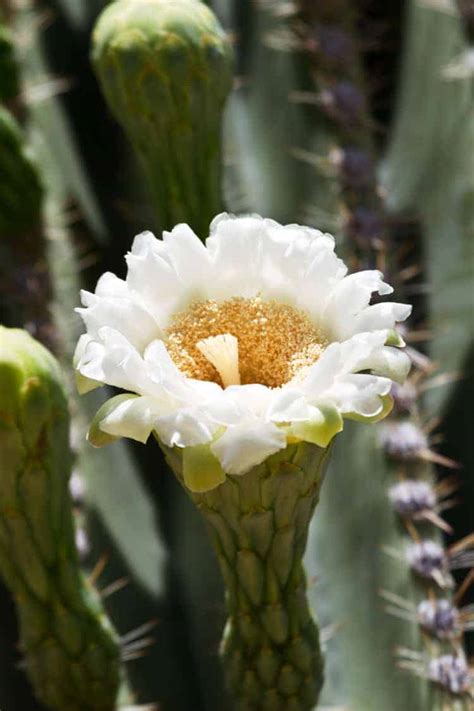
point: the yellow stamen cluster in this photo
(275, 341)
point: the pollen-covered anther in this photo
(264, 341)
(452, 673)
(440, 618)
(223, 352)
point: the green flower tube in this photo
(165, 68)
(259, 526)
(71, 651)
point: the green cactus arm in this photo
(428, 170)
(165, 69)
(259, 525)
(71, 651)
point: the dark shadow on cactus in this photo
(162, 674)
(15, 691)
(459, 445)
(97, 136)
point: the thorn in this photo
(114, 587)
(429, 456)
(464, 587)
(131, 636)
(98, 568)
(397, 600)
(462, 545)
(433, 517)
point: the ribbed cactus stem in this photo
(259, 525)
(165, 67)
(71, 652)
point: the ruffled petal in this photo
(321, 425)
(379, 317)
(190, 259)
(245, 445)
(184, 428)
(122, 314)
(153, 279)
(83, 384)
(351, 296)
(114, 361)
(132, 417)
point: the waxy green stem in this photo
(259, 525)
(71, 651)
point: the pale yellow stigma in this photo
(243, 341)
(223, 352)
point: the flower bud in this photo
(165, 67)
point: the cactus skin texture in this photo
(71, 651)
(9, 75)
(165, 68)
(21, 192)
(259, 525)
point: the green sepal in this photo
(319, 431)
(387, 405)
(85, 385)
(201, 469)
(96, 436)
(394, 339)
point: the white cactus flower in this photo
(234, 348)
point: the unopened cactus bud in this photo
(9, 79)
(21, 192)
(71, 651)
(165, 67)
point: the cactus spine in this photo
(165, 70)
(259, 525)
(71, 651)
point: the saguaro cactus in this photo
(165, 69)
(71, 651)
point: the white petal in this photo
(113, 360)
(350, 296)
(184, 429)
(134, 418)
(379, 316)
(234, 248)
(289, 406)
(359, 393)
(153, 280)
(190, 259)
(111, 285)
(121, 314)
(244, 446)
